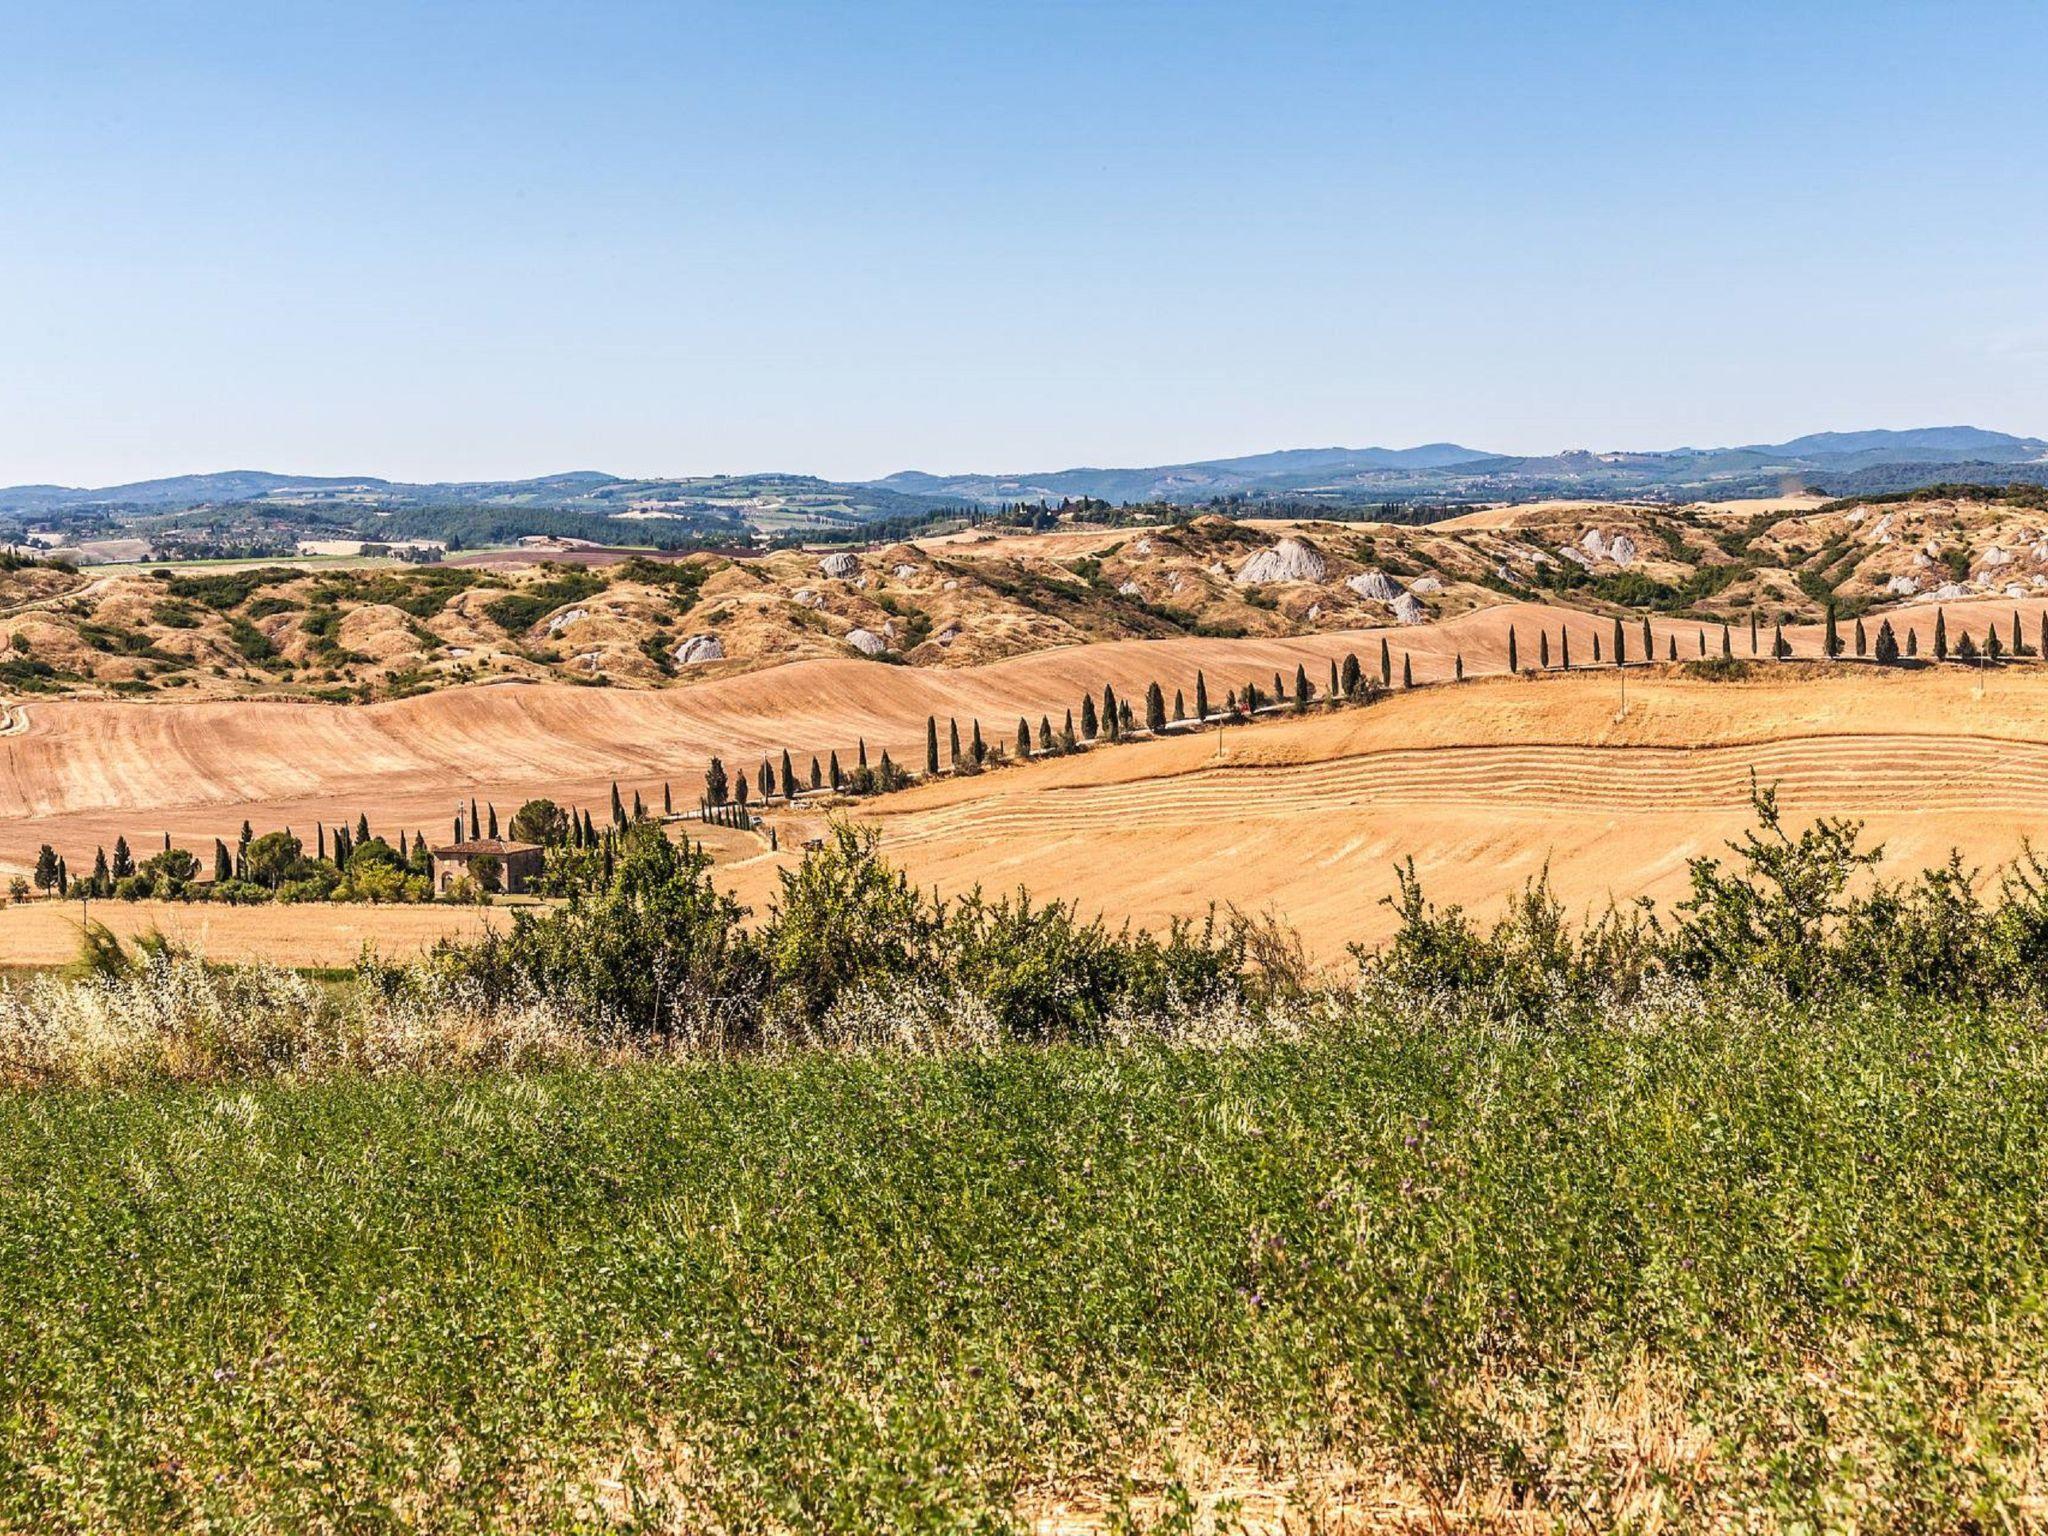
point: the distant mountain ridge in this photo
(1441, 471)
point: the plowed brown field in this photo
(1482, 784)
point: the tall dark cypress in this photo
(1514, 651)
(1407, 671)
(1111, 716)
(1088, 716)
(1023, 739)
(1155, 709)
(931, 745)
(1620, 645)
(1202, 686)
(953, 743)
(1940, 636)
(1387, 660)
(1543, 649)
(1831, 639)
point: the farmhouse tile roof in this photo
(469, 847)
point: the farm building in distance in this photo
(516, 867)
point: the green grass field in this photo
(1701, 1261)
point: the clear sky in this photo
(433, 240)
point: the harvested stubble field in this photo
(316, 935)
(1483, 784)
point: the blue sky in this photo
(451, 240)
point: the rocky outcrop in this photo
(866, 641)
(700, 648)
(1374, 586)
(1902, 586)
(839, 566)
(1288, 560)
(1424, 586)
(1621, 549)
(563, 620)
(1408, 609)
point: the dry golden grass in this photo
(1486, 786)
(47, 933)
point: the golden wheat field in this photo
(1484, 784)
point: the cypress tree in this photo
(1112, 718)
(1620, 645)
(1301, 694)
(1727, 642)
(1088, 721)
(788, 776)
(765, 777)
(1044, 734)
(343, 844)
(838, 778)
(739, 790)
(1202, 694)
(715, 786)
(1596, 645)
(2019, 645)
(124, 861)
(1023, 739)
(618, 808)
(1703, 642)
(1671, 642)
(223, 863)
(1940, 636)
(931, 746)
(363, 828)
(1862, 643)
(1994, 647)
(1966, 648)
(320, 840)
(476, 828)
(1155, 708)
(668, 803)
(1543, 649)
(1752, 632)
(1649, 642)
(1407, 672)
(1831, 639)
(63, 877)
(1353, 675)
(1331, 696)
(1780, 649)
(1180, 707)
(46, 868)
(1564, 642)
(363, 824)
(1458, 667)
(1887, 644)
(1067, 737)
(1514, 655)
(953, 743)
(817, 774)
(976, 750)
(1387, 660)
(102, 883)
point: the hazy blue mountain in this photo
(1431, 472)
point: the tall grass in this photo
(1687, 1266)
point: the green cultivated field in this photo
(1703, 1258)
